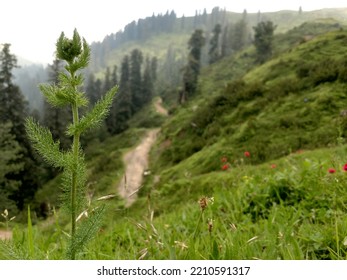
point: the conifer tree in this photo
(192, 69)
(263, 37)
(136, 59)
(154, 67)
(91, 89)
(10, 164)
(114, 76)
(14, 109)
(225, 45)
(121, 110)
(107, 83)
(239, 35)
(214, 52)
(147, 82)
(76, 53)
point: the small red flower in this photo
(273, 166)
(247, 154)
(345, 167)
(331, 170)
(225, 167)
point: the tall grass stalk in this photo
(30, 235)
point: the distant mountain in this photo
(166, 36)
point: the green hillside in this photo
(253, 166)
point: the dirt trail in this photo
(136, 162)
(5, 234)
(159, 108)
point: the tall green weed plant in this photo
(75, 53)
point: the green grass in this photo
(296, 210)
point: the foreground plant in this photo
(76, 53)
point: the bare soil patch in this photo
(5, 234)
(159, 108)
(136, 162)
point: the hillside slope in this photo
(292, 102)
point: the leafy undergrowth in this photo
(292, 208)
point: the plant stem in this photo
(197, 225)
(76, 140)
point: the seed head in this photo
(204, 201)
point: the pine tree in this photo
(239, 35)
(13, 106)
(10, 164)
(136, 59)
(121, 110)
(76, 53)
(225, 47)
(147, 82)
(154, 67)
(192, 69)
(91, 89)
(14, 109)
(114, 76)
(263, 37)
(214, 52)
(107, 83)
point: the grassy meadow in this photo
(252, 167)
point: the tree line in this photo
(137, 79)
(219, 48)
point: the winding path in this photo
(136, 162)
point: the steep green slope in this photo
(293, 102)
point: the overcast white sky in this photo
(33, 26)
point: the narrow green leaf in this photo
(55, 96)
(30, 236)
(43, 142)
(86, 231)
(96, 115)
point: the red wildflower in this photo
(225, 167)
(345, 167)
(273, 166)
(331, 170)
(224, 159)
(247, 154)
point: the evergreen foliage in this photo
(263, 37)
(76, 53)
(147, 82)
(93, 89)
(121, 110)
(136, 60)
(214, 51)
(10, 164)
(13, 109)
(240, 35)
(192, 69)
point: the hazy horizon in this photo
(41, 22)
